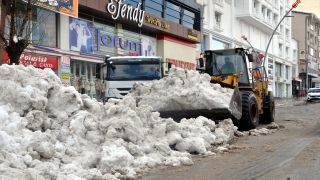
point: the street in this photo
(292, 152)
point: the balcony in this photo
(280, 53)
(253, 18)
(280, 38)
(217, 27)
(219, 2)
(287, 24)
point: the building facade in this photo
(256, 19)
(170, 29)
(310, 6)
(306, 27)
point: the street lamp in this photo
(294, 5)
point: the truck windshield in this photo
(139, 70)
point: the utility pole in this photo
(307, 62)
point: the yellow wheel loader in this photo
(251, 101)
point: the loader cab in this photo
(227, 62)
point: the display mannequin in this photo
(92, 89)
(97, 84)
(102, 89)
(87, 86)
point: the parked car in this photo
(313, 94)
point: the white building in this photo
(226, 21)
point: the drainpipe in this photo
(306, 46)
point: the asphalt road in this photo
(292, 152)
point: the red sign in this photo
(182, 64)
(36, 60)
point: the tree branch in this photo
(12, 16)
(25, 19)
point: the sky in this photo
(48, 131)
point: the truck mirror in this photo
(106, 59)
(201, 62)
(250, 57)
(169, 65)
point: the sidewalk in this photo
(289, 101)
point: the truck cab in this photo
(123, 72)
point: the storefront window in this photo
(219, 44)
(83, 78)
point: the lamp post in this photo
(294, 5)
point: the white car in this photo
(313, 94)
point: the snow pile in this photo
(48, 131)
(182, 90)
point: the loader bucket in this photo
(234, 111)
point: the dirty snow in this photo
(182, 89)
(48, 131)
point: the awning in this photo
(296, 78)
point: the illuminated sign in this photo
(192, 35)
(117, 41)
(126, 11)
(157, 22)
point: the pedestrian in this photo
(297, 91)
(102, 90)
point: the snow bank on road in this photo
(182, 89)
(48, 131)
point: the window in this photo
(218, 19)
(41, 27)
(278, 70)
(133, 3)
(154, 7)
(188, 18)
(44, 33)
(287, 72)
(173, 13)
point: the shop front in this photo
(169, 29)
(36, 60)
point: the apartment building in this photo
(306, 30)
(309, 5)
(226, 21)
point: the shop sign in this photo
(36, 60)
(157, 22)
(65, 70)
(117, 41)
(126, 11)
(66, 7)
(182, 64)
(192, 34)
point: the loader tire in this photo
(269, 111)
(250, 112)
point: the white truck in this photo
(123, 71)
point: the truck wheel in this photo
(269, 111)
(250, 112)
